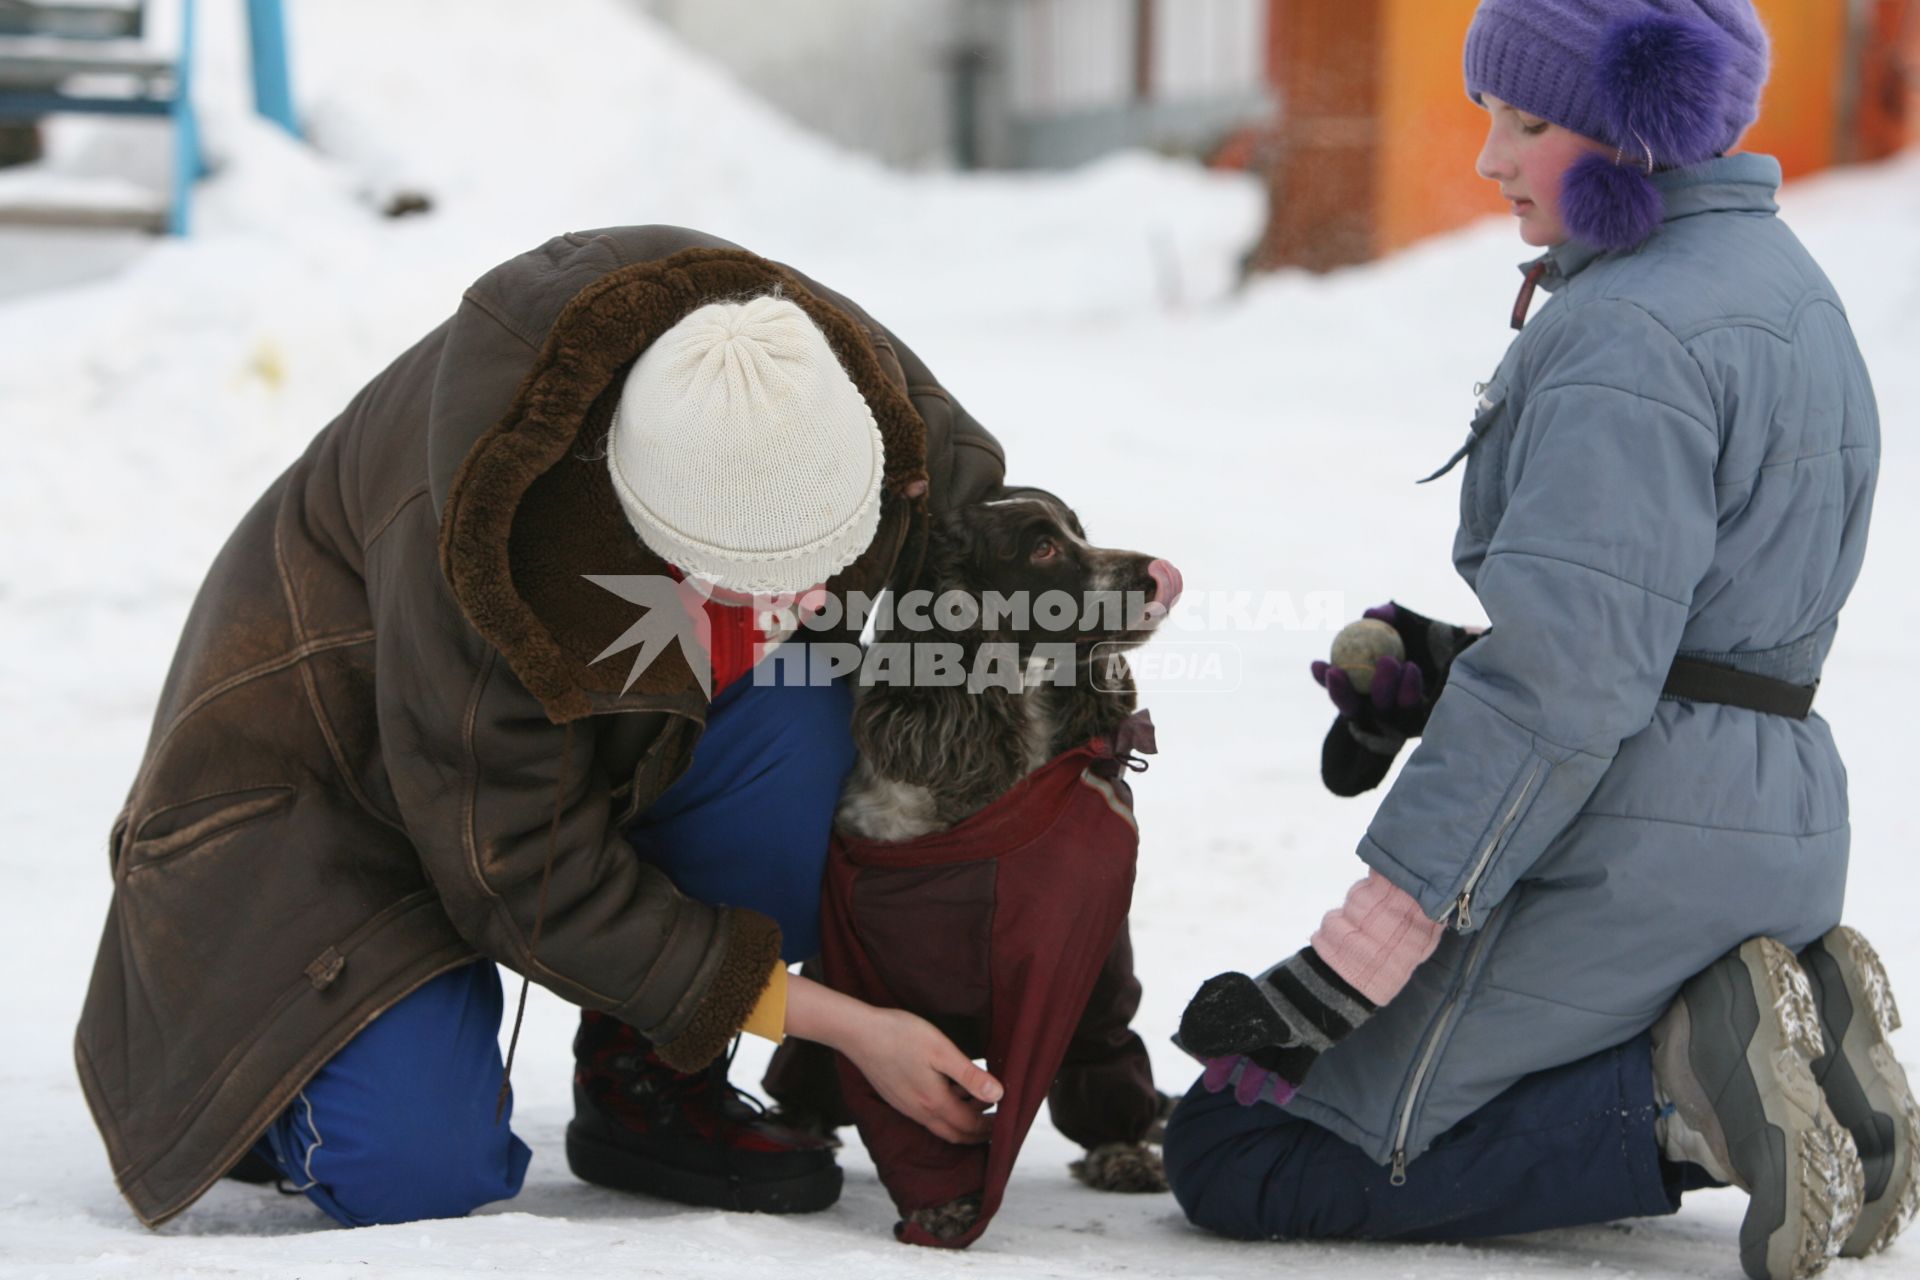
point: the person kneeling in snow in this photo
(1621, 796)
(389, 753)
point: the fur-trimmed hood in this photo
(526, 505)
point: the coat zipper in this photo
(1398, 1177)
(1463, 921)
(1463, 910)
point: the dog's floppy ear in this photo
(942, 531)
(957, 542)
(955, 534)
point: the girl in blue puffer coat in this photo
(1597, 959)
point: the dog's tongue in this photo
(1166, 583)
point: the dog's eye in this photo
(1045, 549)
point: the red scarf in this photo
(732, 638)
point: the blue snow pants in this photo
(1559, 1148)
(399, 1125)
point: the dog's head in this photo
(1026, 564)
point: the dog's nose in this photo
(1166, 583)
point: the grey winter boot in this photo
(1733, 1055)
(1864, 1083)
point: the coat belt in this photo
(1695, 681)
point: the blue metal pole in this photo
(186, 129)
(272, 82)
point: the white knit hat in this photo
(742, 452)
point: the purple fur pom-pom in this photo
(1663, 83)
(1608, 205)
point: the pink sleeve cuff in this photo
(1377, 937)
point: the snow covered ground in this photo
(1265, 441)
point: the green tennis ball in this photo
(1361, 644)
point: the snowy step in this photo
(88, 217)
(74, 19)
(33, 197)
(44, 62)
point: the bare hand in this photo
(917, 1070)
(923, 1076)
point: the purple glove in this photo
(1398, 688)
(1372, 727)
(1393, 705)
(1251, 1082)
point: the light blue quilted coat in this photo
(1677, 455)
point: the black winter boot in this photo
(1865, 1084)
(638, 1125)
(1732, 1058)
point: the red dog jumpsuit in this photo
(999, 930)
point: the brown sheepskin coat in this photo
(383, 723)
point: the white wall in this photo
(1070, 55)
(872, 74)
(1057, 85)
(1076, 55)
(1208, 49)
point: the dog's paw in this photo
(1122, 1166)
(949, 1220)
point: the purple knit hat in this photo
(1667, 82)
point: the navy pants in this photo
(1560, 1148)
(399, 1125)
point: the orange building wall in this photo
(1429, 131)
(1800, 110)
(1322, 182)
(1889, 96)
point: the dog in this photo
(931, 757)
(928, 758)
